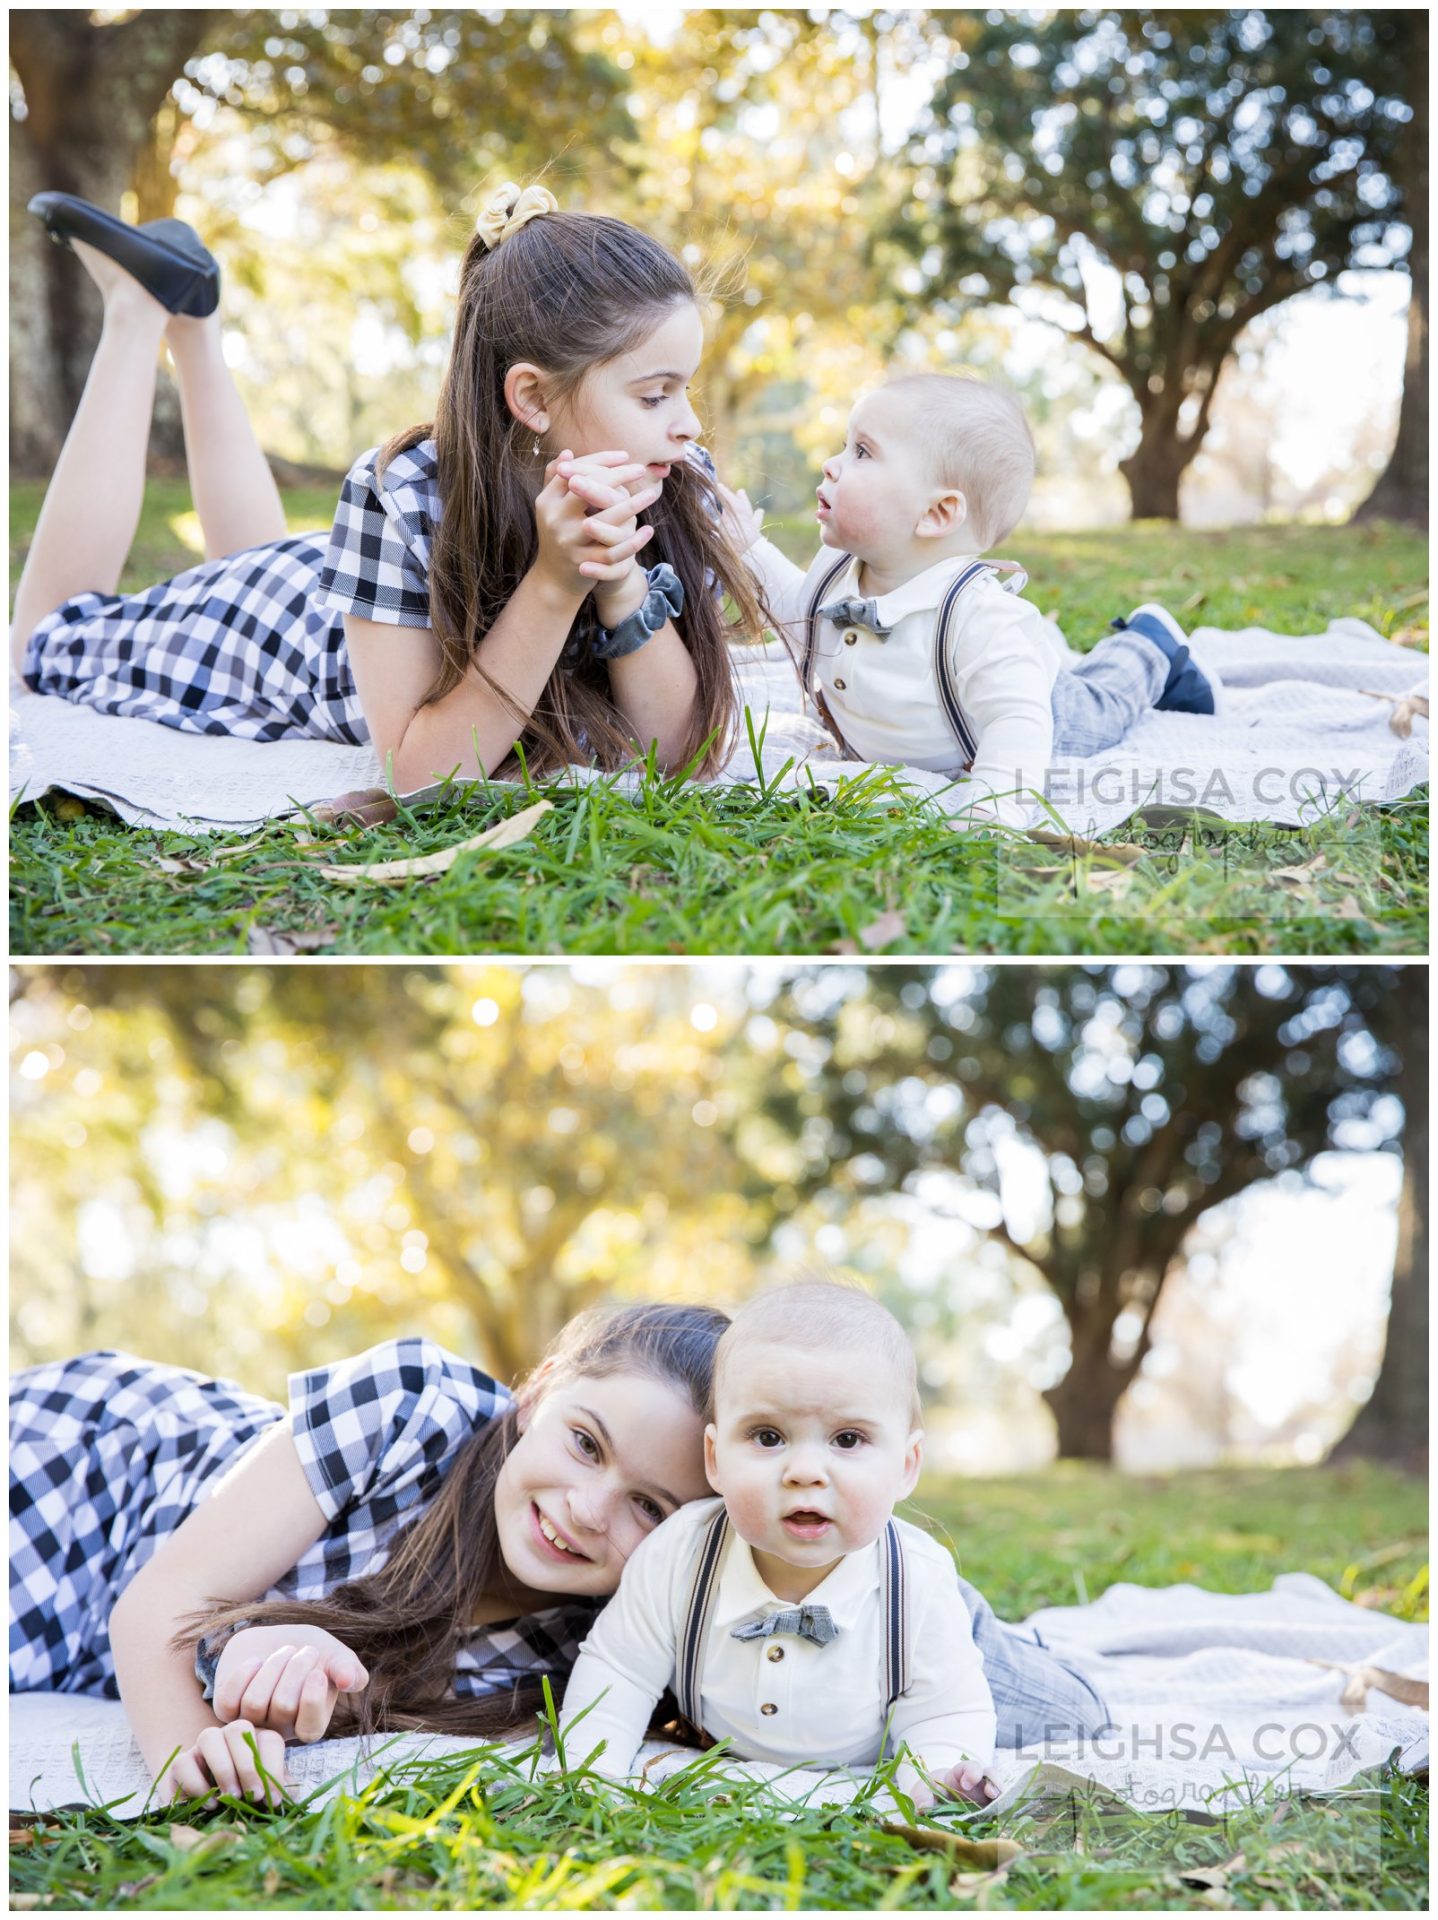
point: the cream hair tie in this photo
(507, 210)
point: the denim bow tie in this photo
(810, 1623)
(856, 613)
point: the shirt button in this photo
(768, 1707)
(850, 637)
(776, 1653)
(838, 686)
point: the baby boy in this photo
(910, 646)
(795, 1617)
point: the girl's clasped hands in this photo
(587, 520)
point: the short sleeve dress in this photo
(253, 644)
(108, 1454)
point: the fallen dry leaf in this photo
(884, 931)
(1301, 876)
(1413, 1693)
(1408, 637)
(1115, 885)
(1123, 853)
(390, 873)
(1407, 708)
(986, 1855)
(271, 941)
(185, 1839)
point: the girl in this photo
(503, 538)
(432, 1545)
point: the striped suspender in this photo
(893, 1597)
(690, 1665)
(811, 622)
(954, 713)
(894, 1602)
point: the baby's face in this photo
(876, 490)
(811, 1450)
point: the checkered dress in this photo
(108, 1454)
(253, 644)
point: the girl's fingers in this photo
(285, 1700)
(187, 1779)
(230, 1687)
(612, 457)
(614, 478)
(610, 565)
(346, 1673)
(213, 1749)
(312, 1712)
(253, 1753)
(257, 1701)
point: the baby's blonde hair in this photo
(816, 1313)
(981, 444)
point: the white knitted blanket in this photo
(1300, 737)
(1213, 1696)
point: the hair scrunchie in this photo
(507, 210)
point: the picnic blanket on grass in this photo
(1213, 1697)
(1301, 737)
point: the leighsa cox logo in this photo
(1104, 784)
(1275, 1743)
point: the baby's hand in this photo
(742, 521)
(967, 1782)
(285, 1679)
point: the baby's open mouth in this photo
(806, 1522)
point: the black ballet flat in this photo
(167, 258)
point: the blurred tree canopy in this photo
(218, 1164)
(119, 102)
(333, 158)
(1146, 1096)
(1216, 161)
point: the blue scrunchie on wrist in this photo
(664, 601)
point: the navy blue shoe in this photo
(167, 258)
(1189, 687)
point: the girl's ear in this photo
(524, 395)
(944, 515)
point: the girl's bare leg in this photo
(92, 505)
(234, 491)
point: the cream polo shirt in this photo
(783, 1699)
(884, 694)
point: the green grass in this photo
(688, 869)
(481, 1833)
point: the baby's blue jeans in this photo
(1038, 1695)
(1097, 700)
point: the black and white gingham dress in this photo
(253, 644)
(108, 1454)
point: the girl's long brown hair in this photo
(568, 291)
(408, 1620)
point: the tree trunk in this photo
(1402, 489)
(1083, 1405)
(1392, 1424)
(1154, 469)
(90, 96)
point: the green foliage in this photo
(1217, 161)
(480, 1834)
(460, 92)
